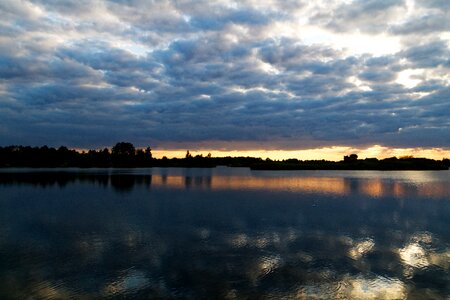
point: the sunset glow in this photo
(331, 153)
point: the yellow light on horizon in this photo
(334, 153)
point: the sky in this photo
(304, 79)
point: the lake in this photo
(228, 233)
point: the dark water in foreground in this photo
(224, 233)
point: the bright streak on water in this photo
(224, 233)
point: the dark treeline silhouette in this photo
(121, 155)
(124, 154)
(392, 163)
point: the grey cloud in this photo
(21, 9)
(107, 59)
(62, 94)
(217, 20)
(371, 16)
(428, 24)
(288, 50)
(28, 69)
(429, 137)
(429, 55)
(196, 84)
(382, 69)
(429, 86)
(69, 7)
(439, 4)
(380, 61)
(358, 8)
(378, 76)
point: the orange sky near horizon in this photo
(335, 153)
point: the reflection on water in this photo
(128, 282)
(367, 183)
(226, 233)
(361, 248)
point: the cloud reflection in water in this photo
(239, 236)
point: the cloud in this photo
(429, 55)
(371, 16)
(438, 4)
(88, 74)
(428, 24)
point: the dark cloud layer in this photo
(88, 74)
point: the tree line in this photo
(124, 154)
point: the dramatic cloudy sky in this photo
(227, 75)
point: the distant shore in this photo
(390, 164)
(124, 154)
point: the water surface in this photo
(224, 233)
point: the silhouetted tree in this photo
(124, 149)
(148, 153)
(446, 162)
(123, 154)
(351, 158)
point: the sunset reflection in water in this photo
(326, 185)
(236, 234)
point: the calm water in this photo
(224, 233)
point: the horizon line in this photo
(330, 153)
